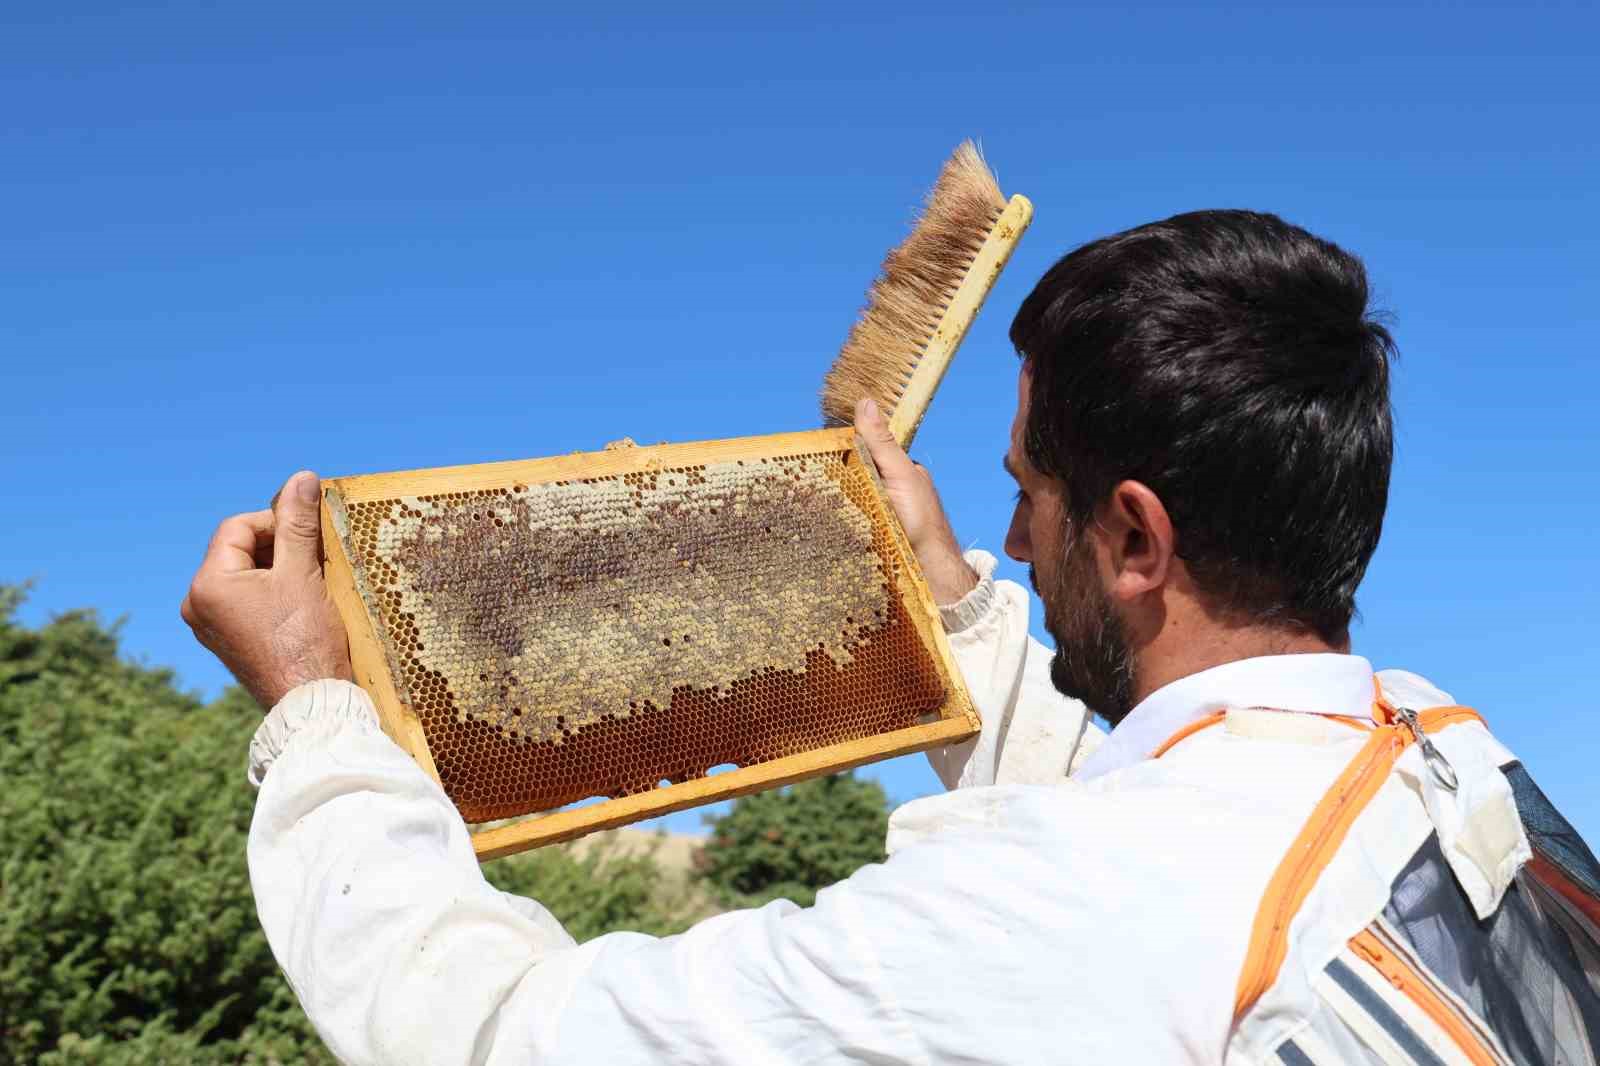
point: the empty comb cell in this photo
(544, 632)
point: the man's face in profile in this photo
(1093, 661)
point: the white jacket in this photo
(1020, 918)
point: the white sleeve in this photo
(369, 892)
(400, 952)
(1031, 733)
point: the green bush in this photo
(127, 912)
(793, 841)
(127, 931)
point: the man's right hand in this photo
(916, 504)
(259, 602)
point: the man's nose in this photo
(1017, 545)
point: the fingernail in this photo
(871, 408)
(306, 486)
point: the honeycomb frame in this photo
(413, 698)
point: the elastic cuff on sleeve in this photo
(972, 607)
(325, 702)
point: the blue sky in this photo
(241, 241)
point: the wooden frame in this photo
(374, 670)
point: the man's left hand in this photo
(916, 503)
(259, 602)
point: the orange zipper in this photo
(1319, 839)
(1419, 990)
(1437, 718)
(1218, 717)
(1312, 850)
(1188, 731)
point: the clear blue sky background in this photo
(240, 240)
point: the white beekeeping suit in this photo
(1024, 917)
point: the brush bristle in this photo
(919, 278)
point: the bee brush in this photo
(931, 287)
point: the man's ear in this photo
(1137, 540)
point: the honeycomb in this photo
(603, 636)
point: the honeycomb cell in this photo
(597, 636)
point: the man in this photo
(1271, 858)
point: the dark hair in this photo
(1228, 360)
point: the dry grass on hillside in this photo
(673, 854)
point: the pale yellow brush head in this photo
(920, 278)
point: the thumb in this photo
(297, 525)
(873, 429)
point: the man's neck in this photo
(1180, 651)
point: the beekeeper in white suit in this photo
(1275, 855)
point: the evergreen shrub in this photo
(128, 934)
(790, 842)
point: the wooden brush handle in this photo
(992, 258)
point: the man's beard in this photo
(1093, 662)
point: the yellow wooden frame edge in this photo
(537, 830)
